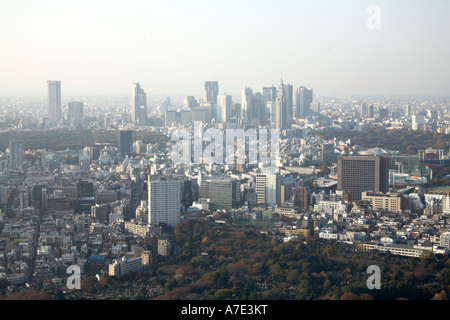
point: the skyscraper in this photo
(247, 105)
(138, 104)
(281, 112)
(211, 91)
(224, 108)
(363, 173)
(75, 111)
(164, 201)
(269, 93)
(126, 143)
(15, 154)
(85, 196)
(304, 97)
(54, 100)
(289, 92)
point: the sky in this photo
(172, 47)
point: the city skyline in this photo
(324, 45)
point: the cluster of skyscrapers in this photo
(274, 106)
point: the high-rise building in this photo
(190, 102)
(75, 112)
(371, 111)
(302, 197)
(314, 108)
(289, 92)
(138, 104)
(85, 196)
(268, 189)
(224, 103)
(247, 105)
(364, 110)
(327, 153)
(270, 93)
(383, 113)
(281, 112)
(363, 173)
(15, 154)
(126, 143)
(224, 194)
(304, 98)
(408, 110)
(54, 100)
(164, 201)
(211, 91)
(417, 121)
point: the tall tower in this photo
(289, 92)
(224, 108)
(138, 104)
(247, 105)
(164, 201)
(54, 100)
(211, 91)
(281, 113)
(15, 154)
(303, 102)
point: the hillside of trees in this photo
(229, 262)
(404, 141)
(61, 139)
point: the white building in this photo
(164, 202)
(119, 267)
(330, 208)
(268, 189)
(224, 108)
(328, 234)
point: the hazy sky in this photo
(172, 47)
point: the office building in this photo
(211, 91)
(281, 108)
(15, 154)
(75, 110)
(224, 103)
(85, 196)
(247, 105)
(289, 92)
(224, 194)
(54, 100)
(126, 143)
(417, 122)
(384, 202)
(304, 98)
(327, 153)
(269, 93)
(314, 108)
(164, 201)
(138, 104)
(190, 102)
(268, 189)
(302, 197)
(357, 174)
